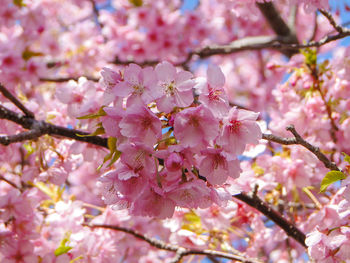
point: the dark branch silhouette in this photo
(264, 208)
(299, 140)
(180, 252)
(7, 94)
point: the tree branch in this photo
(65, 79)
(299, 140)
(290, 229)
(127, 62)
(2, 178)
(180, 251)
(7, 94)
(38, 128)
(331, 20)
(96, 13)
(279, 26)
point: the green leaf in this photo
(310, 56)
(30, 149)
(330, 178)
(63, 248)
(27, 54)
(112, 144)
(19, 3)
(346, 157)
(113, 155)
(76, 259)
(96, 115)
(115, 158)
(98, 131)
(136, 3)
(192, 217)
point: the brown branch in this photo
(317, 85)
(65, 79)
(323, 41)
(299, 140)
(264, 208)
(7, 94)
(279, 26)
(118, 61)
(96, 13)
(20, 137)
(295, 205)
(38, 128)
(180, 251)
(331, 20)
(2, 178)
(249, 43)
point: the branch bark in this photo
(299, 140)
(289, 228)
(7, 94)
(180, 252)
(38, 128)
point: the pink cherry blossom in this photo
(195, 127)
(216, 168)
(174, 162)
(19, 251)
(212, 93)
(176, 87)
(239, 128)
(141, 125)
(152, 204)
(138, 157)
(14, 204)
(139, 82)
(192, 195)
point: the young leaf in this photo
(98, 131)
(19, 3)
(63, 248)
(136, 3)
(96, 115)
(27, 54)
(346, 157)
(330, 178)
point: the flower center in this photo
(193, 121)
(138, 89)
(146, 123)
(214, 95)
(234, 126)
(169, 88)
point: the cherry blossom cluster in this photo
(177, 158)
(175, 147)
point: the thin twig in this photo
(65, 79)
(2, 178)
(315, 150)
(279, 26)
(249, 43)
(180, 251)
(38, 128)
(15, 101)
(299, 140)
(288, 227)
(96, 13)
(331, 20)
(317, 85)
